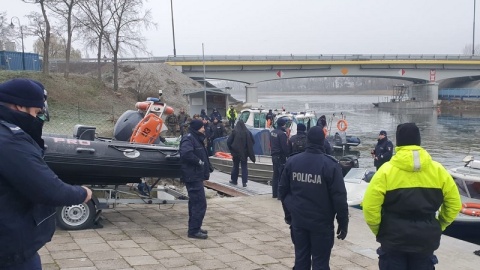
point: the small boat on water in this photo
(467, 178)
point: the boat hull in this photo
(106, 162)
(260, 171)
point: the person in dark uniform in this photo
(383, 150)
(298, 142)
(270, 117)
(216, 114)
(279, 152)
(208, 135)
(240, 143)
(29, 190)
(315, 196)
(196, 168)
(204, 115)
(322, 122)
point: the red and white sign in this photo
(401, 72)
(432, 75)
(279, 73)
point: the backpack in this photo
(299, 144)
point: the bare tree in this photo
(124, 31)
(42, 3)
(94, 19)
(467, 50)
(5, 30)
(64, 10)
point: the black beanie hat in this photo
(281, 122)
(301, 127)
(316, 136)
(196, 124)
(22, 92)
(408, 134)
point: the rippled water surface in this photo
(447, 137)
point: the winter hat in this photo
(316, 136)
(408, 134)
(281, 122)
(301, 127)
(22, 92)
(196, 124)
(383, 132)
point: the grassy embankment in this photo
(78, 99)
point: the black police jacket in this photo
(29, 193)
(192, 150)
(312, 189)
(278, 142)
(383, 152)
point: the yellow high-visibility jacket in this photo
(232, 114)
(402, 200)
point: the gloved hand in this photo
(341, 234)
(200, 162)
(342, 230)
(211, 168)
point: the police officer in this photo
(383, 150)
(29, 190)
(279, 152)
(196, 168)
(298, 142)
(315, 196)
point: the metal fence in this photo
(62, 121)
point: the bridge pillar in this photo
(424, 92)
(251, 93)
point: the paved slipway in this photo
(244, 233)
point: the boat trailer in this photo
(87, 215)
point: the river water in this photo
(447, 136)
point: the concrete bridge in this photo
(425, 71)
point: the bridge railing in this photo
(325, 57)
(291, 57)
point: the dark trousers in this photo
(235, 170)
(278, 164)
(34, 263)
(312, 249)
(172, 130)
(231, 122)
(197, 206)
(396, 260)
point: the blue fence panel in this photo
(14, 61)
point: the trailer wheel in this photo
(76, 217)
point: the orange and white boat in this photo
(467, 178)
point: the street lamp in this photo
(21, 33)
(173, 29)
(473, 43)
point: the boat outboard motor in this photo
(348, 162)
(125, 124)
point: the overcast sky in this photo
(259, 27)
